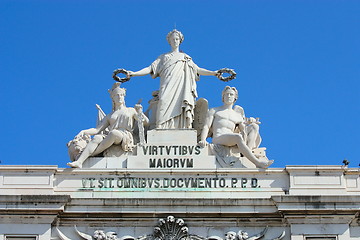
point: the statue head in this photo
(155, 98)
(77, 145)
(175, 32)
(230, 91)
(117, 94)
(117, 89)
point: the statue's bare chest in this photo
(228, 115)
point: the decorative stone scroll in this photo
(169, 229)
(172, 229)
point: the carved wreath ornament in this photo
(229, 71)
(118, 79)
(169, 229)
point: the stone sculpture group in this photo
(173, 106)
(120, 124)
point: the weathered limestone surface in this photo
(327, 201)
(30, 214)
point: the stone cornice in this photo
(33, 204)
(326, 209)
(32, 209)
(245, 211)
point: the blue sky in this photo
(297, 62)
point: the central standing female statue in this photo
(178, 75)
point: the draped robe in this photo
(122, 121)
(178, 75)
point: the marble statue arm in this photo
(92, 131)
(142, 72)
(205, 72)
(240, 126)
(205, 130)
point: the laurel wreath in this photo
(229, 71)
(118, 79)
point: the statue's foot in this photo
(264, 162)
(75, 164)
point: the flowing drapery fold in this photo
(178, 75)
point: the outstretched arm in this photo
(205, 72)
(142, 72)
(92, 131)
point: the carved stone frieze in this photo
(169, 229)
